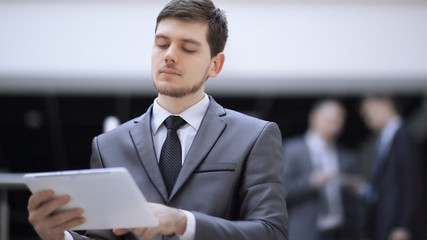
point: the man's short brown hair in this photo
(200, 11)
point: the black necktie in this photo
(170, 157)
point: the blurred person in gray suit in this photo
(318, 207)
(226, 181)
(392, 189)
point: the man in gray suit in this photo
(228, 184)
(314, 165)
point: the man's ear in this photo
(216, 65)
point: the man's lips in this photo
(169, 72)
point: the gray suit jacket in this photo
(231, 178)
(303, 198)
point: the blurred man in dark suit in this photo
(390, 193)
(318, 207)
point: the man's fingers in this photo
(150, 232)
(145, 232)
(55, 203)
(46, 208)
(73, 223)
(171, 221)
(57, 232)
(53, 226)
(119, 232)
(38, 198)
(64, 217)
(48, 223)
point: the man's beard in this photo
(178, 92)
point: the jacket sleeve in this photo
(297, 175)
(406, 157)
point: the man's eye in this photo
(189, 50)
(162, 46)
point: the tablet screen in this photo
(109, 197)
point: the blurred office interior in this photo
(67, 66)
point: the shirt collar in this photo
(391, 128)
(193, 115)
(314, 140)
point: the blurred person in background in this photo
(390, 193)
(318, 207)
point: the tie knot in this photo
(174, 122)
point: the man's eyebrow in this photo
(189, 40)
(160, 36)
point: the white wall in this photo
(275, 47)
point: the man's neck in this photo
(179, 105)
(386, 121)
(322, 138)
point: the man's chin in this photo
(174, 93)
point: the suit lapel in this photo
(306, 154)
(143, 140)
(344, 161)
(209, 131)
(341, 161)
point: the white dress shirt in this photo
(324, 158)
(193, 116)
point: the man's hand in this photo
(319, 178)
(171, 221)
(50, 225)
(400, 234)
(354, 183)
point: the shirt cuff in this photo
(68, 236)
(190, 230)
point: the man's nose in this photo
(171, 56)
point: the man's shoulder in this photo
(239, 121)
(404, 132)
(243, 117)
(404, 144)
(233, 116)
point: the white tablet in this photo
(109, 197)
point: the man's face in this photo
(375, 113)
(328, 121)
(180, 59)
